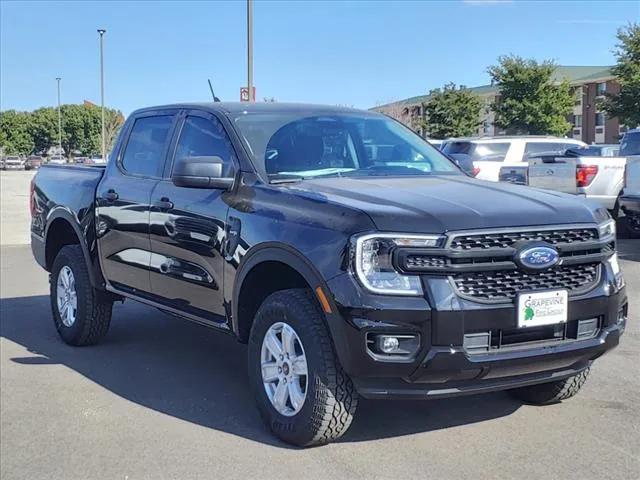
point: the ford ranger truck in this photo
(352, 257)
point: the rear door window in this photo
(478, 152)
(145, 151)
(533, 148)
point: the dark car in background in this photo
(33, 162)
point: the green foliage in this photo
(530, 102)
(37, 131)
(452, 112)
(44, 128)
(15, 137)
(626, 104)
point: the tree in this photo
(530, 102)
(626, 104)
(44, 128)
(113, 123)
(15, 136)
(452, 112)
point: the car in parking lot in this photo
(490, 154)
(57, 160)
(13, 162)
(577, 171)
(630, 197)
(33, 162)
(349, 270)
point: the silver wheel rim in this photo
(284, 369)
(66, 296)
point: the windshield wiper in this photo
(277, 178)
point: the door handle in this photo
(163, 204)
(111, 196)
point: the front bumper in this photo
(443, 366)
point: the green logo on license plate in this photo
(528, 313)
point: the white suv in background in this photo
(489, 154)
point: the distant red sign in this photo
(244, 94)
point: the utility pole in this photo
(59, 119)
(101, 32)
(250, 50)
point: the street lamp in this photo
(101, 32)
(250, 50)
(59, 119)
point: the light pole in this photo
(59, 119)
(101, 32)
(250, 50)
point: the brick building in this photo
(589, 123)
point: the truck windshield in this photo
(337, 144)
(630, 144)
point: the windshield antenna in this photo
(215, 99)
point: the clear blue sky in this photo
(354, 53)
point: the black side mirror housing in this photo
(200, 172)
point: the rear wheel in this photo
(552, 392)
(302, 393)
(81, 313)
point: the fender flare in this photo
(278, 252)
(65, 214)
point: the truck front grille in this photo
(504, 285)
(484, 241)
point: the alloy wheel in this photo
(284, 369)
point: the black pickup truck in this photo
(352, 257)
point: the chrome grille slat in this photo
(504, 285)
(484, 241)
(578, 245)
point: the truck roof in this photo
(255, 107)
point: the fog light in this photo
(388, 344)
(622, 314)
(392, 345)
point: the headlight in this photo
(373, 262)
(607, 230)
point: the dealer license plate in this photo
(542, 308)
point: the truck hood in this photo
(436, 204)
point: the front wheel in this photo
(552, 392)
(302, 393)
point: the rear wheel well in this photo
(263, 280)
(60, 233)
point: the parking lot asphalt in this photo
(14, 203)
(165, 398)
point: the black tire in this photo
(552, 392)
(331, 398)
(93, 315)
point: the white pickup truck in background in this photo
(595, 177)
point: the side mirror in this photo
(200, 172)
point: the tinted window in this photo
(201, 137)
(630, 144)
(483, 152)
(144, 152)
(533, 148)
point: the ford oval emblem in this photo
(539, 257)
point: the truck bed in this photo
(64, 190)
